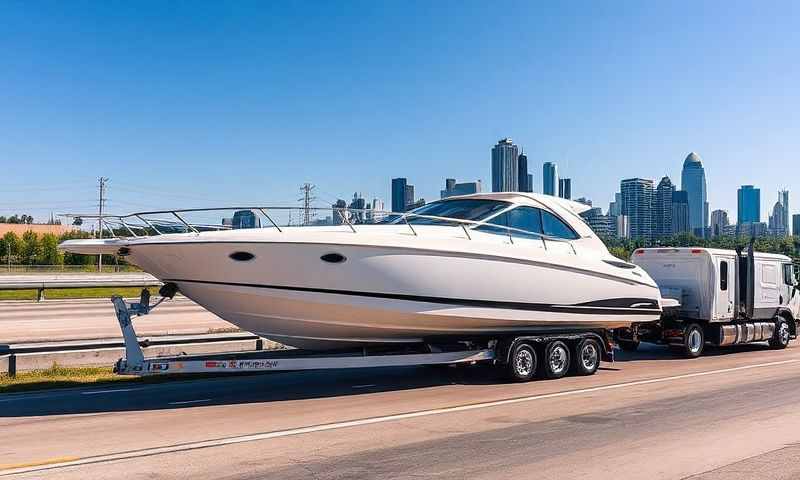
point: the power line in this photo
(100, 205)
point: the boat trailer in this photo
(135, 363)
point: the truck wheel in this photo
(780, 339)
(587, 357)
(522, 363)
(693, 342)
(628, 345)
(555, 363)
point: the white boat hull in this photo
(379, 295)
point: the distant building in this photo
(416, 204)
(680, 212)
(550, 179)
(783, 197)
(338, 213)
(600, 224)
(38, 228)
(752, 229)
(585, 201)
(358, 207)
(662, 208)
(623, 229)
(637, 205)
(777, 226)
(452, 189)
(524, 180)
(730, 230)
(615, 207)
(376, 213)
(796, 225)
(719, 221)
(402, 194)
(748, 205)
(565, 188)
(505, 166)
(245, 219)
(693, 182)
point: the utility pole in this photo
(308, 199)
(100, 205)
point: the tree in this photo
(3, 219)
(74, 258)
(13, 219)
(31, 248)
(49, 253)
(10, 245)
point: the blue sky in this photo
(198, 104)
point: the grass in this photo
(61, 293)
(59, 377)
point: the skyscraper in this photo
(522, 174)
(783, 197)
(693, 182)
(680, 212)
(719, 220)
(748, 205)
(505, 166)
(550, 179)
(796, 225)
(662, 208)
(565, 188)
(402, 194)
(452, 188)
(777, 225)
(637, 205)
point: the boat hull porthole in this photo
(242, 256)
(333, 258)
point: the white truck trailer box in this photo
(726, 297)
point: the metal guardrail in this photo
(40, 283)
(9, 353)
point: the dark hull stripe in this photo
(589, 308)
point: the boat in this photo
(475, 266)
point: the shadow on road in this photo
(265, 388)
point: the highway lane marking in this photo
(116, 390)
(187, 402)
(182, 447)
(38, 464)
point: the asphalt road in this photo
(727, 415)
(57, 320)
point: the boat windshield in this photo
(465, 209)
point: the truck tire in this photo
(556, 361)
(587, 357)
(780, 339)
(522, 363)
(693, 342)
(628, 345)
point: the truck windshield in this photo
(466, 209)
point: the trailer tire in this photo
(780, 339)
(587, 357)
(522, 363)
(556, 361)
(628, 345)
(694, 340)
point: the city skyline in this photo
(202, 112)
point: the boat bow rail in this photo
(196, 220)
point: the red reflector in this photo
(639, 252)
(696, 250)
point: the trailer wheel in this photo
(522, 363)
(628, 345)
(780, 339)
(693, 342)
(587, 357)
(556, 359)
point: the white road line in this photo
(116, 390)
(369, 421)
(186, 402)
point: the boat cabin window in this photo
(466, 209)
(723, 275)
(555, 227)
(528, 219)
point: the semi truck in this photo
(722, 297)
